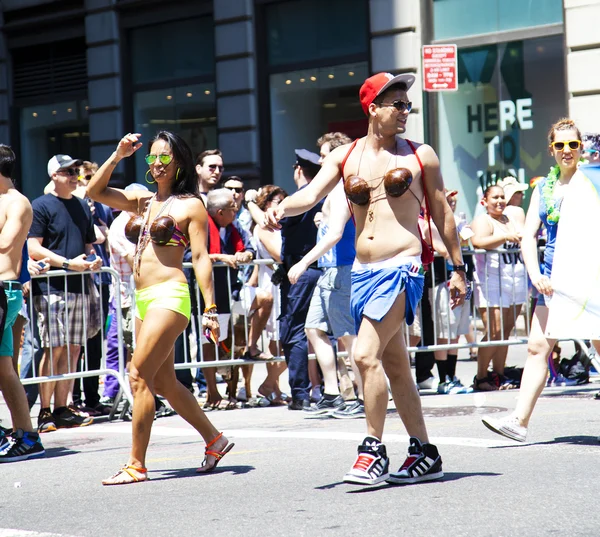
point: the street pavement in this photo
(284, 475)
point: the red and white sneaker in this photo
(422, 464)
(372, 465)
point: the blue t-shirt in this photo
(102, 213)
(65, 227)
(24, 276)
(344, 252)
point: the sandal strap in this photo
(215, 439)
(127, 469)
(216, 454)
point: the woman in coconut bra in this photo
(167, 221)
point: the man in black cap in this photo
(299, 235)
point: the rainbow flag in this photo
(574, 309)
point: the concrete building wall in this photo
(396, 38)
(4, 87)
(583, 62)
(104, 79)
(237, 110)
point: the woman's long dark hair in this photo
(186, 183)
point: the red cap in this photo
(378, 83)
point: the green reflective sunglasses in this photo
(164, 159)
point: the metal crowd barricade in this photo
(441, 321)
(86, 371)
(517, 336)
(225, 353)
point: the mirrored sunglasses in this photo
(164, 159)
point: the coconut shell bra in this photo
(164, 231)
(395, 182)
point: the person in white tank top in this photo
(268, 246)
(501, 285)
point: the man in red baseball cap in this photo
(377, 84)
(387, 178)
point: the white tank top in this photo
(505, 265)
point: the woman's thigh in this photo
(156, 336)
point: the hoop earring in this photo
(149, 182)
(177, 174)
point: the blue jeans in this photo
(295, 301)
(31, 356)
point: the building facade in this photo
(260, 78)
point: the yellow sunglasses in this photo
(573, 144)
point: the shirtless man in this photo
(387, 276)
(15, 220)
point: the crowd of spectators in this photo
(295, 302)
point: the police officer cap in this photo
(306, 159)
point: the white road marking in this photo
(7, 532)
(157, 430)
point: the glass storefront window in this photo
(306, 104)
(300, 31)
(496, 124)
(187, 50)
(460, 18)
(46, 130)
(190, 111)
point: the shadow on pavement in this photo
(448, 476)
(580, 440)
(54, 452)
(191, 472)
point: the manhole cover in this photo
(570, 395)
(442, 412)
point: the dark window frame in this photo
(131, 19)
(264, 72)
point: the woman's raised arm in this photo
(98, 188)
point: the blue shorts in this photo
(14, 299)
(543, 300)
(375, 287)
(329, 309)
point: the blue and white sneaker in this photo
(453, 386)
(22, 446)
(560, 380)
(4, 439)
(422, 464)
(372, 465)
(352, 410)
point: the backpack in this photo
(576, 368)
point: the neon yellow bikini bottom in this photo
(174, 296)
